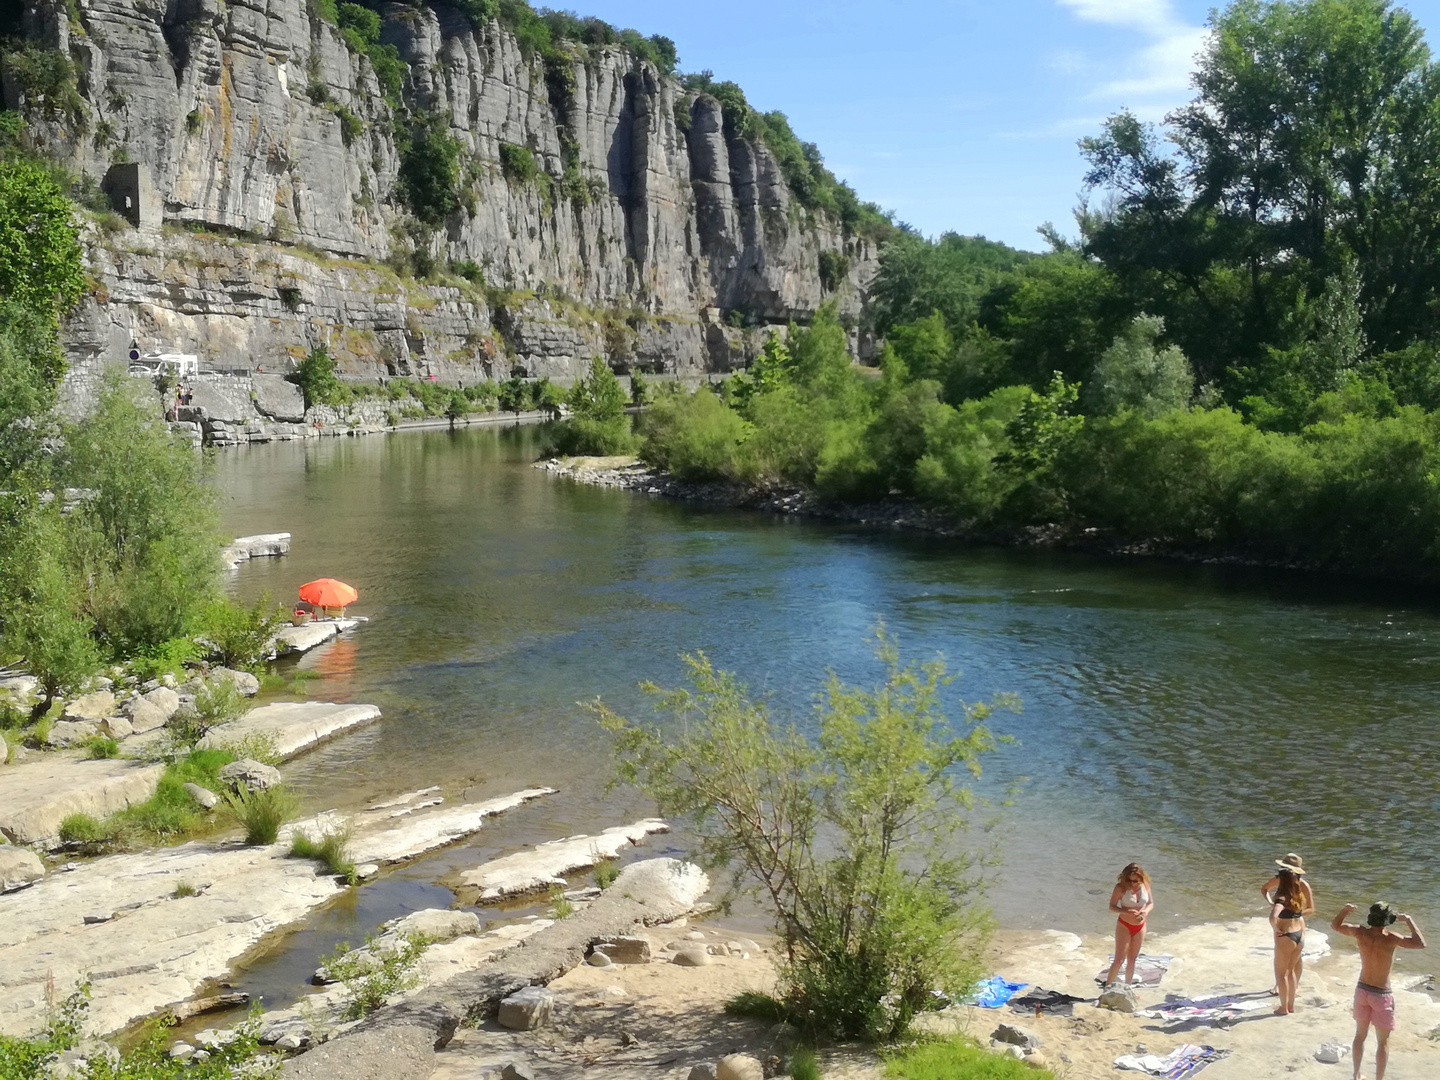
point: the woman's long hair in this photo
(1133, 870)
(1289, 892)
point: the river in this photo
(1200, 720)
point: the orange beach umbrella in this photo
(328, 593)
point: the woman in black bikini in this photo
(1291, 901)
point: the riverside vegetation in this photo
(851, 838)
(1237, 353)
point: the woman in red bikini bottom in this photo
(1132, 900)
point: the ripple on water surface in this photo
(1200, 720)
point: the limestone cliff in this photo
(274, 153)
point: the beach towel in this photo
(1149, 970)
(1049, 1002)
(993, 992)
(1182, 1062)
(1204, 1010)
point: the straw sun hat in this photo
(1293, 863)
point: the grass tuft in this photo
(330, 850)
(804, 1065)
(757, 1006)
(261, 813)
(957, 1059)
(83, 829)
(99, 747)
(606, 873)
(560, 905)
(185, 889)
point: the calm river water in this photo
(1200, 720)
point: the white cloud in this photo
(1159, 69)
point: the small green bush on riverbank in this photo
(34, 1057)
(833, 832)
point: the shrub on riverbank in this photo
(851, 838)
(597, 424)
(374, 973)
(35, 1057)
(261, 813)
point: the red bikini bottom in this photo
(1131, 927)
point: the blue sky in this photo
(958, 116)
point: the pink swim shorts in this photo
(1375, 1008)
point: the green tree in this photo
(597, 424)
(43, 622)
(143, 546)
(850, 838)
(315, 375)
(40, 268)
(1138, 373)
(1309, 148)
(430, 172)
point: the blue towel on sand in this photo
(994, 992)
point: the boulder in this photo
(152, 709)
(1118, 999)
(627, 950)
(527, 1009)
(691, 958)
(277, 398)
(249, 774)
(739, 1067)
(599, 959)
(202, 796)
(1016, 1036)
(92, 707)
(71, 732)
(247, 684)
(144, 716)
(116, 727)
(19, 867)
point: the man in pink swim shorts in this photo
(1374, 1003)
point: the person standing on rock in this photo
(1374, 1001)
(1132, 900)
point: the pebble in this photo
(599, 959)
(691, 958)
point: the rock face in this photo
(647, 222)
(249, 774)
(91, 707)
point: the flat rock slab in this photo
(423, 832)
(299, 639)
(541, 866)
(260, 546)
(293, 639)
(37, 795)
(295, 725)
(153, 949)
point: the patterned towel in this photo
(1182, 1062)
(1149, 970)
